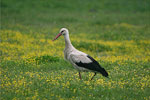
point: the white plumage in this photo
(80, 60)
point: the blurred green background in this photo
(79, 16)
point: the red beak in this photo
(57, 36)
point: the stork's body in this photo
(80, 60)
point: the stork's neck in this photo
(67, 41)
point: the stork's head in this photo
(63, 31)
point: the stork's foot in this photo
(93, 76)
(80, 76)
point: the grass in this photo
(115, 33)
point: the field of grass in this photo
(115, 33)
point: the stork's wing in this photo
(88, 62)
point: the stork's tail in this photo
(98, 67)
(103, 72)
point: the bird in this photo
(81, 61)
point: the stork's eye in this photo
(62, 31)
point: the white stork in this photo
(80, 60)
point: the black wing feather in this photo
(94, 66)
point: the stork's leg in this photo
(80, 76)
(93, 76)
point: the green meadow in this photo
(115, 33)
